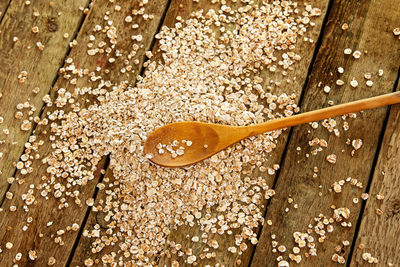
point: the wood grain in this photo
(42, 66)
(3, 6)
(42, 211)
(379, 233)
(370, 26)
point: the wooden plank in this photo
(370, 28)
(19, 53)
(179, 235)
(379, 233)
(42, 211)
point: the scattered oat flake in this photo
(379, 212)
(347, 51)
(354, 83)
(366, 256)
(357, 54)
(339, 82)
(331, 158)
(327, 89)
(32, 255)
(357, 143)
(26, 125)
(51, 261)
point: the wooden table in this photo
(376, 165)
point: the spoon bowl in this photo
(206, 140)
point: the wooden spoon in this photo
(208, 138)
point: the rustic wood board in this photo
(379, 233)
(42, 66)
(179, 235)
(45, 211)
(370, 28)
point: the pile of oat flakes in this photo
(208, 73)
(207, 70)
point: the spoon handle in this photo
(320, 114)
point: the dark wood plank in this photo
(370, 28)
(379, 234)
(38, 236)
(18, 53)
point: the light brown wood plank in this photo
(22, 54)
(179, 235)
(370, 28)
(380, 233)
(44, 211)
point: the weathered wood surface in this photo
(371, 25)
(42, 211)
(380, 233)
(19, 52)
(370, 28)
